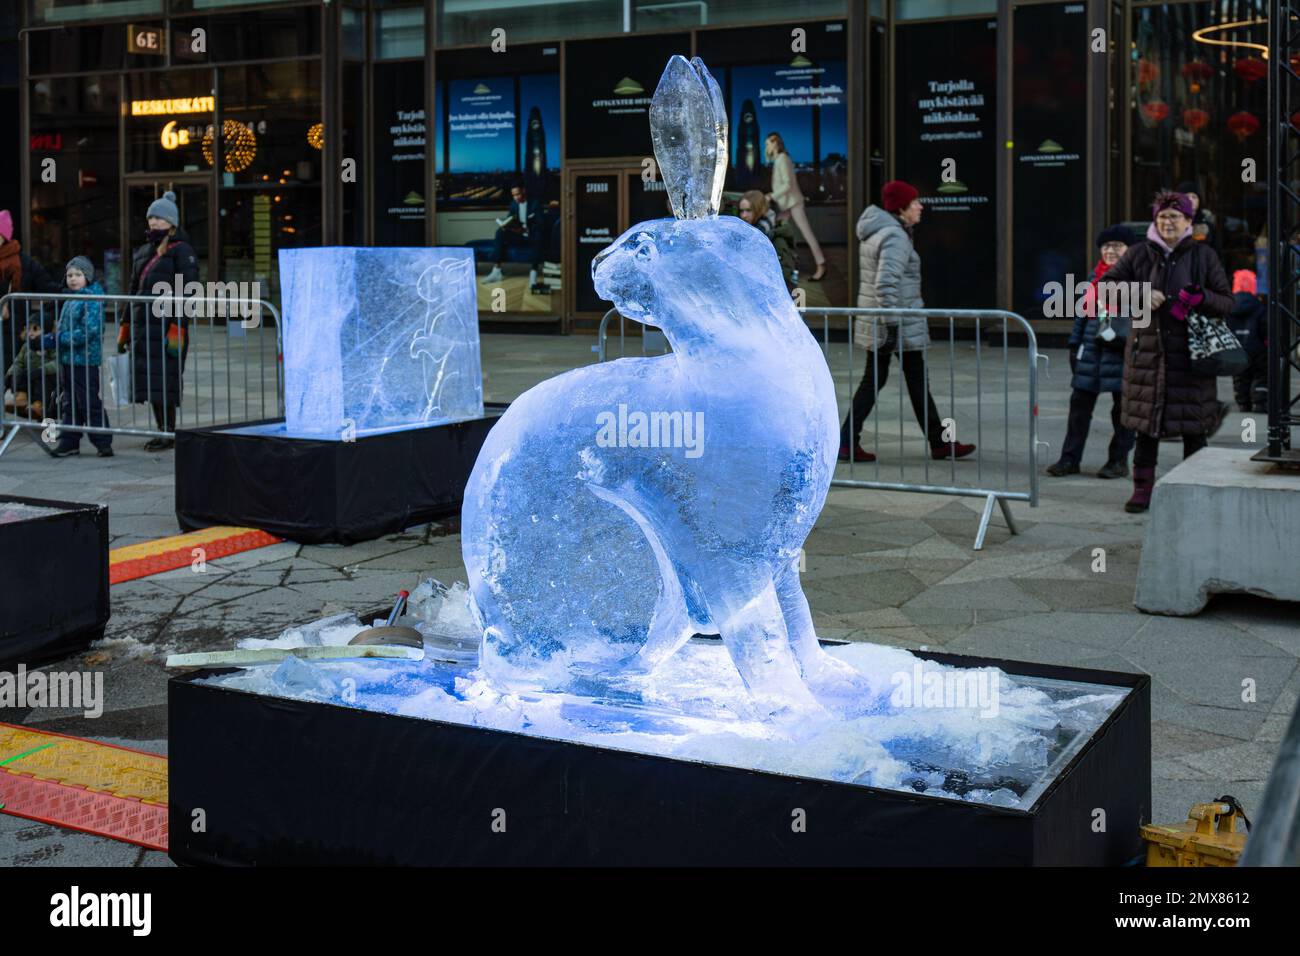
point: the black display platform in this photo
(289, 782)
(315, 491)
(54, 598)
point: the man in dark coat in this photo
(1098, 366)
(1163, 396)
(158, 332)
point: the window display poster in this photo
(1049, 130)
(610, 84)
(495, 131)
(597, 225)
(802, 100)
(400, 135)
(946, 147)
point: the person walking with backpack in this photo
(1097, 365)
(1164, 396)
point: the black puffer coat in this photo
(1162, 395)
(159, 343)
(1099, 366)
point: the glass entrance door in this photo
(194, 202)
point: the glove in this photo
(1189, 299)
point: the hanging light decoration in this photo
(1196, 73)
(316, 136)
(1148, 72)
(238, 146)
(1155, 111)
(1243, 124)
(1195, 119)
(1250, 68)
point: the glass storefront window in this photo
(70, 11)
(1197, 108)
(74, 174)
(168, 116)
(935, 9)
(472, 21)
(269, 187)
(674, 14)
(399, 29)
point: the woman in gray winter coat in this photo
(890, 271)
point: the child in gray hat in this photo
(78, 343)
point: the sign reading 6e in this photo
(173, 137)
(144, 39)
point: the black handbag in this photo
(1214, 350)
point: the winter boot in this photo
(1144, 480)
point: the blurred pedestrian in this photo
(1249, 323)
(753, 208)
(789, 199)
(1163, 395)
(1204, 227)
(19, 272)
(890, 269)
(1097, 365)
(157, 333)
(79, 343)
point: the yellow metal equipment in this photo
(1208, 838)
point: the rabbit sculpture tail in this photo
(617, 509)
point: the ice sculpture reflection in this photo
(378, 339)
(594, 552)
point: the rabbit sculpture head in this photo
(672, 273)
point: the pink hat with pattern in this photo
(6, 225)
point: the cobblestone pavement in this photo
(895, 568)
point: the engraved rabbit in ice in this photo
(617, 509)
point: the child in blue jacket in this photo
(78, 341)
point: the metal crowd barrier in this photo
(231, 370)
(976, 476)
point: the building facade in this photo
(521, 129)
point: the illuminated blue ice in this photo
(617, 509)
(378, 339)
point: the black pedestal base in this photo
(54, 595)
(291, 782)
(315, 491)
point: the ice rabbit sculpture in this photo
(617, 509)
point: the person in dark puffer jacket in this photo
(1163, 396)
(1249, 323)
(1098, 366)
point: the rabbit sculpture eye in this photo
(617, 509)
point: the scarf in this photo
(11, 267)
(1154, 236)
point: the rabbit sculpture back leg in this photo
(596, 545)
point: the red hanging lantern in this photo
(1155, 111)
(1148, 72)
(1243, 124)
(1197, 70)
(1195, 119)
(1250, 68)
(1295, 120)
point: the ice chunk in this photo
(331, 631)
(378, 338)
(298, 678)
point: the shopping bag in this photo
(1213, 347)
(119, 373)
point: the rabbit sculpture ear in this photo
(688, 124)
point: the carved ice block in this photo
(378, 339)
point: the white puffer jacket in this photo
(889, 278)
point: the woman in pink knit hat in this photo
(19, 272)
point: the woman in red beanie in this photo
(890, 278)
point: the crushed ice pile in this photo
(13, 511)
(973, 734)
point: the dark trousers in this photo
(1076, 431)
(534, 242)
(1251, 387)
(1148, 448)
(80, 404)
(913, 375)
(164, 415)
